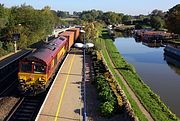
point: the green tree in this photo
(126, 18)
(159, 13)
(112, 18)
(157, 22)
(173, 19)
(62, 14)
(3, 18)
(91, 16)
(33, 25)
(93, 30)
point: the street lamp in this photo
(84, 47)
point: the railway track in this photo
(9, 69)
(8, 98)
(8, 89)
(26, 109)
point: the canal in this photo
(156, 69)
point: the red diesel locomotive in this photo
(36, 69)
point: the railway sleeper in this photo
(30, 103)
(28, 107)
(26, 110)
(20, 119)
(23, 114)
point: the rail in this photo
(14, 109)
(8, 88)
(26, 109)
(15, 59)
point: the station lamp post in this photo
(84, 46)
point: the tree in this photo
(62, 14)
(126, 18)
(157, 12)
(157, 22)
(93, 30)
(173, 19)
(33, 25)
(112, 18)
(76, 13)
(157, 19)
(91, 16)
(3, 17)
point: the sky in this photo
(131, 7)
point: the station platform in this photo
(64, 102)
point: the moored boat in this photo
(173, 51)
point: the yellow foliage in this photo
(98, 55)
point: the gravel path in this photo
(6, 104)
(133, 95)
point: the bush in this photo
(106, 109)
(106, 95)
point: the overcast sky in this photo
(132, 7)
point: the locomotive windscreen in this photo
(25, 67)
(39, 68)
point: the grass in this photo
(177, 41)
(148, 98)
(134, 106)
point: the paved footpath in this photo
(63, 102)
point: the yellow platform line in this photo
(64, 88)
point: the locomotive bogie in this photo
(28, 81)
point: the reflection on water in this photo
(173, 63)
(159, 71)
(152, 45)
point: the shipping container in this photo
(70, 38)
(76, 32)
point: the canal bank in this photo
(150, 100)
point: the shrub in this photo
(106, 109)
(106, 95)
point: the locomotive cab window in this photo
(26, 67)
(39, 68)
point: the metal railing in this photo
(84, 63)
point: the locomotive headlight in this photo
(40, 79)
(21, 80)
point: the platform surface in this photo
(63, 102)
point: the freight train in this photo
(36, 69)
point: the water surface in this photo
(155, 69)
